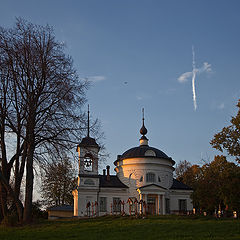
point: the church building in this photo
(143, 184)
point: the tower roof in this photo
(88, 141)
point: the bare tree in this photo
(181, 168)
(40, 106)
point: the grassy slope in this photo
(167, 227)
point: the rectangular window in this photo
(167, 204)
(116, 205)
(182, 205)
(103, 204)
(150, 177)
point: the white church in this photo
(143, 184)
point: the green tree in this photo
(190, 175)
(215, 184)
(218, 185)
(229, 138)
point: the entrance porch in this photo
(154, 198)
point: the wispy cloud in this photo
(206, 68)
(194, 72)
(184, 77)
(142, 96)
(95, 79)
(221, 106)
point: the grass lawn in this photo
(158, 227)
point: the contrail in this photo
(194, 71)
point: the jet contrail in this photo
(194, 71)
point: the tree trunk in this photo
(3, 201)
(27, 216)
(1, 213)
(7, 188)
(19, 173)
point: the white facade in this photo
(143, 183)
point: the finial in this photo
(143, 130)
(88, 127)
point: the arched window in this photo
(150, 177)
(150, 153)
(88, 162)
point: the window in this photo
(159, 179)
(150, 177)
(132, 204)
(87, 163)
(167, 205)
(150, 153)
(88, 202)
(182, 203)
(89, 182)
(116, 205)
(141, 179)
(103, 204)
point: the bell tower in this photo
(88, 153)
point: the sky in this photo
(145, 53)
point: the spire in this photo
(143, 131)
(88, 141)
(88, 127)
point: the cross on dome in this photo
(143, 131)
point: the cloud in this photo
(184, 77)
(206, 68)
(194, 72)
(95, 79)
(221, 106)
(170, 91)
(142, 96)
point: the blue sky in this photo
(148, 44)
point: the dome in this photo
(144, 151)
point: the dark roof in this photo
(152, 184)
(89, 175)
(179, 185)
(88, 142)
(140, 152)
(113, 183)
(64, 208)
